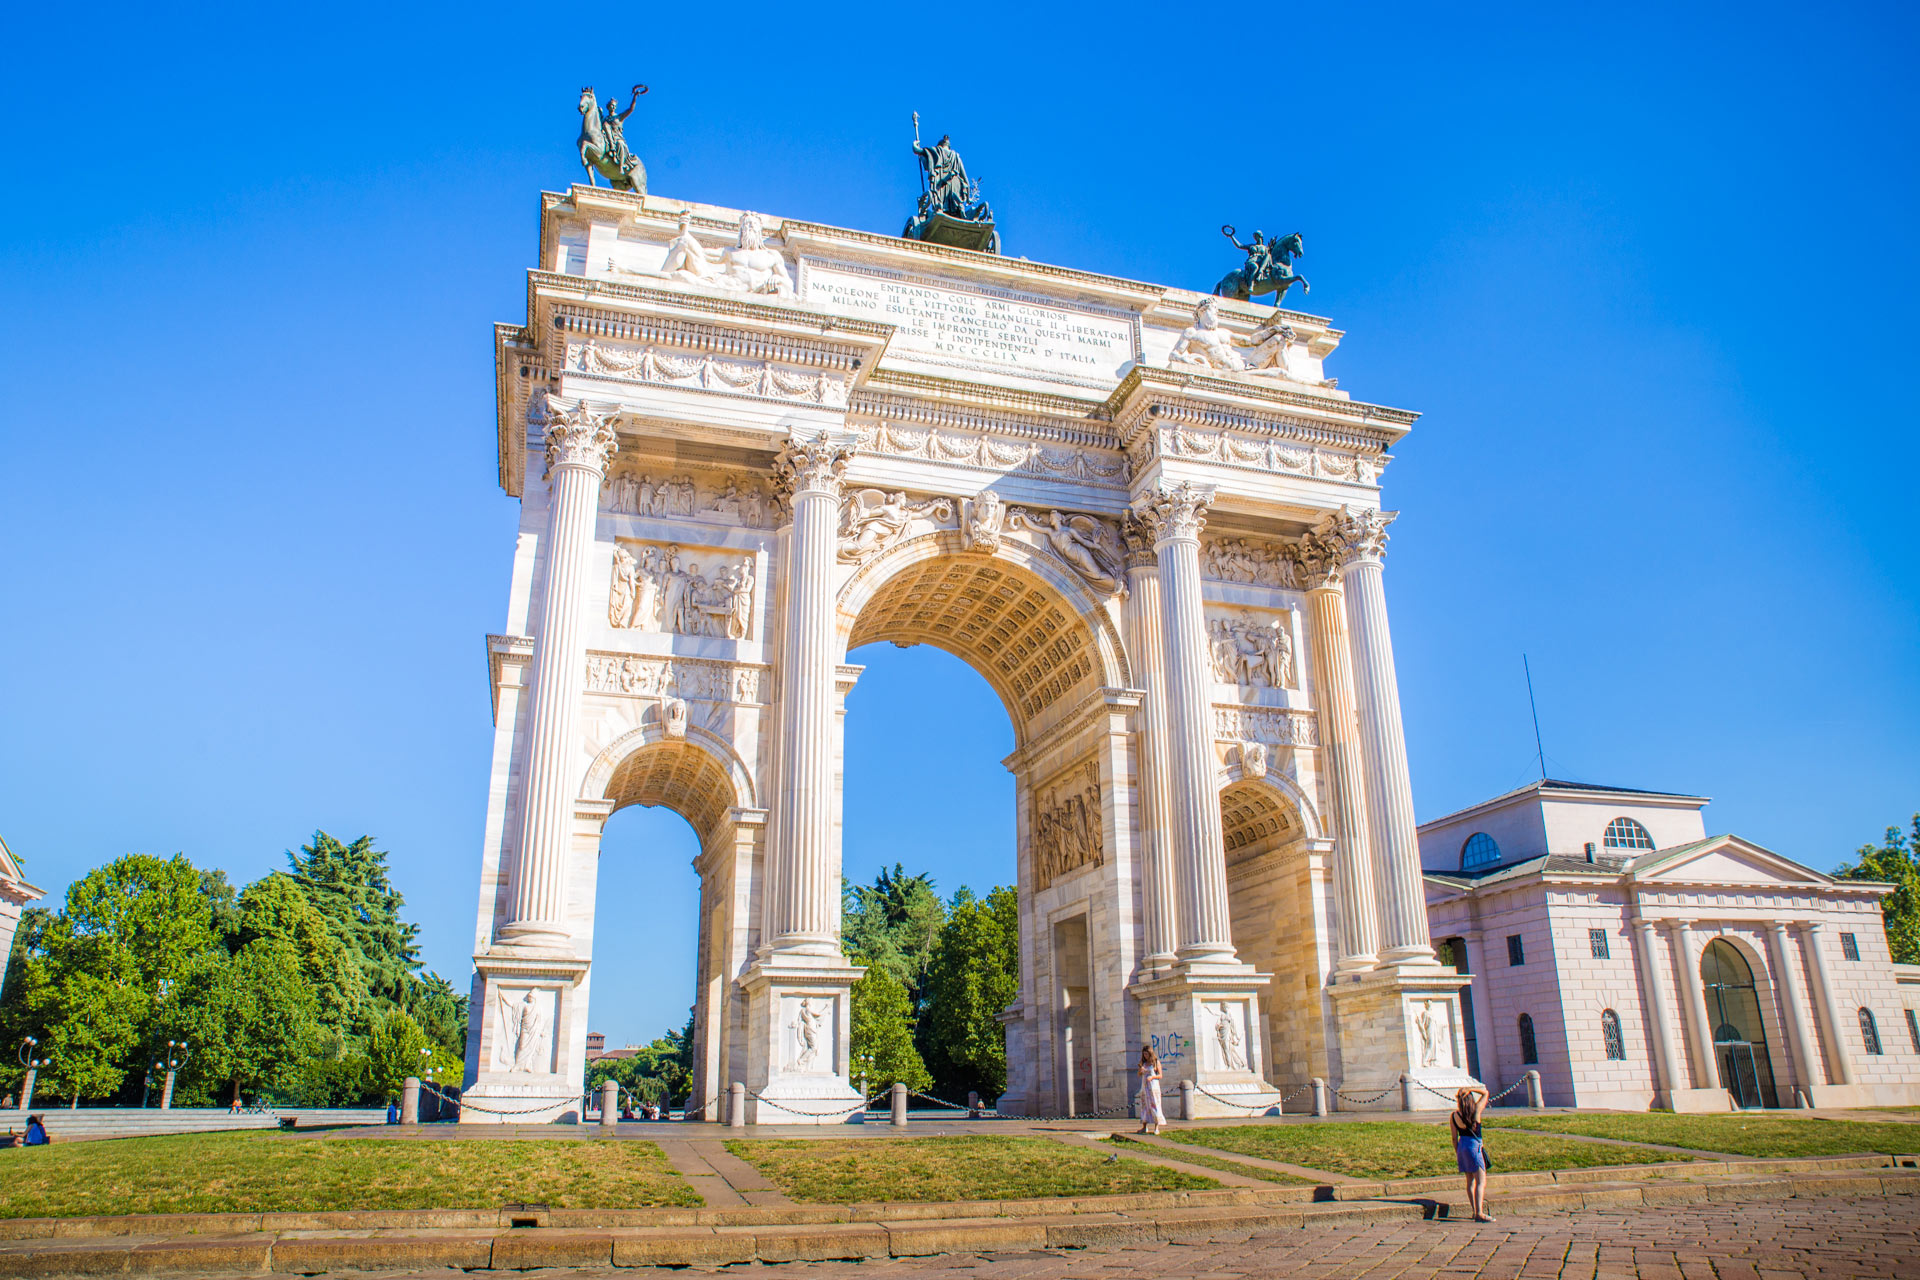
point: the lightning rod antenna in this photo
(1540, 751)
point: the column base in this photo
(1204, 1022)
(799, 1040)
(1693, 1101)
(532, 1037)
(1399, 1022)
(519, 1098)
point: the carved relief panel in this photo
(1065, 829)
(808, 1026)
(524, 1040)
(1253, 649)
(637, 489)
(678, 677)
(666, 587)
(1260, 564)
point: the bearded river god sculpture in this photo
(603, 143)
(952, 210)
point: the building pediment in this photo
(1727, 860)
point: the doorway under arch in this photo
(1739, 1036)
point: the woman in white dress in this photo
(1152, 1114)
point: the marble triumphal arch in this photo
(745, 447)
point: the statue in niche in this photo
(1226, 1034)
(620, 597)
(1206, 344)
(673, 717)
(1251, 654)
(750, 266)
(806, 1035)
(952, 210)
(1423, 1023)
(523, 1029)
(872, 520)
(1082, 542)
(1268, 268)
(603, 143)
(981, 526)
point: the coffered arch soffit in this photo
(1032, 628)
(699, 777)
(1264, 812)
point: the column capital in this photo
(815, 465)
(580, 435)
(1138, 535)
(1316, 561)
(1357, 533)
(1174, 511)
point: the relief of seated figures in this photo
(750, 266)
(1207, 344)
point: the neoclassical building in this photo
(1634, 960)
(15, 894)
(746, 447)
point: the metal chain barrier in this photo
(814, 1115)
(1516, 1085)
(465, 1103)
(1280, 1101)
(1366, 1099)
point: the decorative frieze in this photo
(991, 453)
(707, 372)
(697, 678)
(1276, 726)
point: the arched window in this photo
(1610, 1032)
(1479, 851)
(1625, 833)
(1870, 1032)
(1529, 1051)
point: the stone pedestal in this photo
(532, 1051)
(1210, 1023)
(1400, 1021)
(798, 1020)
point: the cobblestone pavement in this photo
(1836, 1237)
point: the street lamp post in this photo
(32, 1062)
(176, 1059)
(146, 1085)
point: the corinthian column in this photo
(580, 442)
(1175, 516)
(1146, 638)
(1319, 563)
(803, 911)
(1362, 537)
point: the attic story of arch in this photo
(1144, 514)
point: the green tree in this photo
(882, 1032)
(94, 1012)
(276, 907)
(349, 885)
(1895, 861)
(974, 974)
(154, 909)
(394, 1053)
(893, 923)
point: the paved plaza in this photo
(1877, 1236)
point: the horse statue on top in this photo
(603, 143)
(1268, 269)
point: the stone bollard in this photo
(899, 1092)
(166, 1094)
(973, 1105)
(26, 1090)
(410, 1100)
(1319, 1096)
(609, 1103)
(1186, 1100)
(1535, 1098)
(737, 1106)
(1406, 1092)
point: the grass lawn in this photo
(974, 1167)
(1739, 1134)
(1206, 1161)
(249, 1172)
(1394, 1149)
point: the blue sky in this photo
(1647, 273)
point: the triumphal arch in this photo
(746, 446)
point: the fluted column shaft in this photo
(1699, 1026)
(1837, 1059)
(1340, 748)
(1398, 886)
(580, 442)
(1146, 637)
(804, 909)
(1659, 1009)
(1176, 517)
(1806, 1052)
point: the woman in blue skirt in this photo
(1468, 1152)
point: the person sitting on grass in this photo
(1469, 1153)
(36, 1132)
